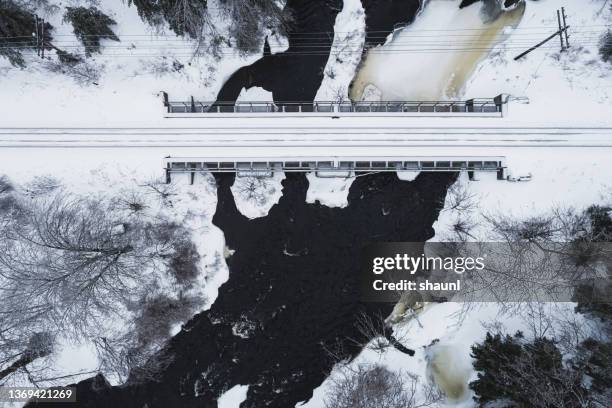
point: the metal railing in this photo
(476, 106)
(333, 167)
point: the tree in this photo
(540, 257)
(528, 374)
(379, 387)
(16, 31)
(66, 264)
(90, 26)
(185, 17)
(605, 49)
(249, 18)
(254, 190)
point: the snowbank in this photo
(233, 397)
(345, 55)
(332, 192)
(255, 196)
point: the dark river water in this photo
(292, 296)
(296, 74)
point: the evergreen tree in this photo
(90, 26)
(185, 17)
(528, 374)
(17, 26)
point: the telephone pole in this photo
(562, 33)
(42, 39)
(565, 25)
(36, 35)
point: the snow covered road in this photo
(344, 139)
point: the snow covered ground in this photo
(349, 39)
(133, 73)
(115, 176)
(571, 85)
(567, 167)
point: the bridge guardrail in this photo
(490, 106)
(333, 166)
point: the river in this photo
(278, 317)
(296, 74)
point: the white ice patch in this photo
(345, 55)
(233, 397)
(243, 328)
(433, 57)
(332, 192)
(176, 329)
(408, 175)
(450, 369)
(255, 94)
(278, 43)
(255, 196)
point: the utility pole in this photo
(36, 34)
(560, 31)
(563, 28)
(567, 44)
(42, 39)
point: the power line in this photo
(385, 33)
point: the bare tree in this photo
(254, 190)
(65, 264)
(130, 352)
(378, 387)
(459, 198)
(538, 258)
(376, 333)
(82, 72)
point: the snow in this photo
(233, 397)
(116, 174)
(571, 178)
(255, 94)
(133, 74)
(454, 332)
(331, 192)
(79, 360)
(344, 58)
(408, 175)
(254, 196)
(570, 166)
(573, 85)
(278, 43)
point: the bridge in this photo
(332, 166)
(250, 147)
(478, 107)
